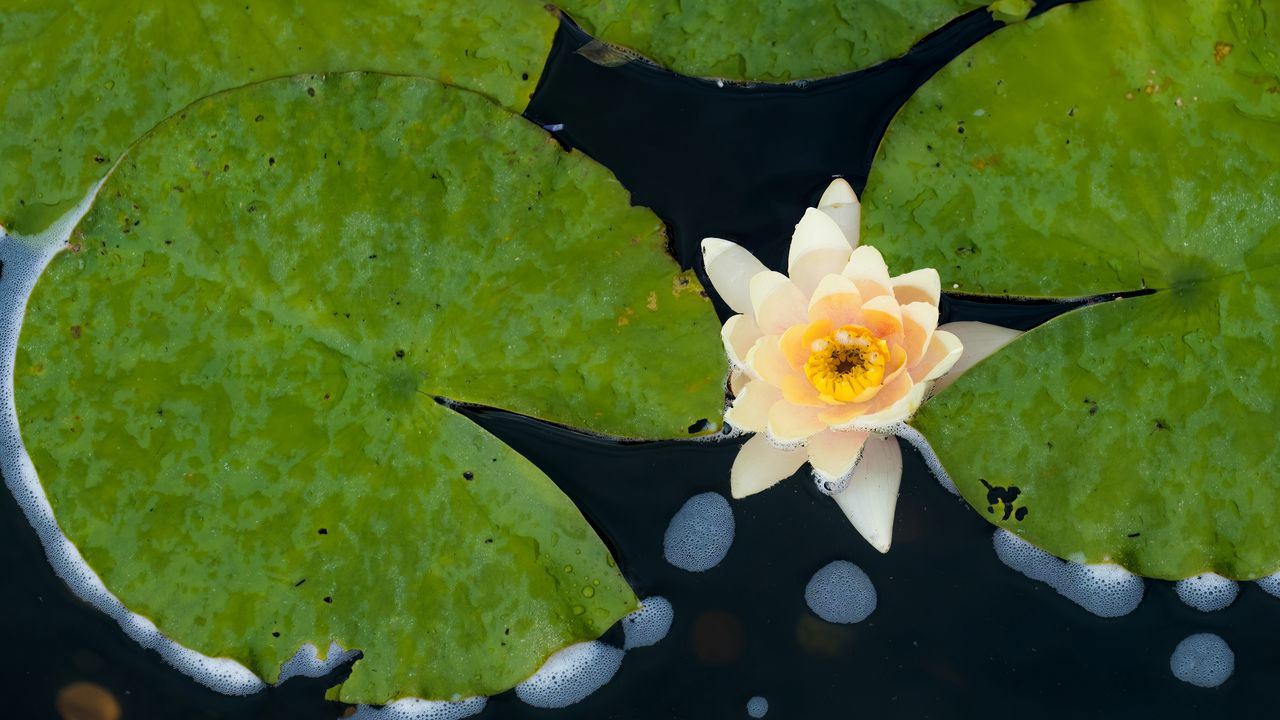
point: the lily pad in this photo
(770, 41)
(87, 78)
(1109, 146)
(228, 384)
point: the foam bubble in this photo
(757, 707)
(1207, 592)
(571, 675)
(649, 624)
(1270, 584)
(24, 258)
(1104, 590)
(1204, 660)
(922, 446)
(418, 709)
(307, 662)
(700, 533)
(841, 592)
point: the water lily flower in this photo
(830, 359)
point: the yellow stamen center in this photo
(847, 363)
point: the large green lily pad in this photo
(771, 41)
(228, 383)
(85, 78)
(1110, 146)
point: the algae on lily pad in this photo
(85, 78)
(1110, 146)
(228, 384)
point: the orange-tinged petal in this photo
(944, 350)
(799, 391)
(868, 272)
(792, 424)
(833, 454)
(922, 285)
(750, 409)
(919, 320)
(889, 413)
(980, 341)
(795, 345)
(882, 316)
(768, 363)
(851, 417)
(730, 268)
(739, 335)
(777, 302)
(818, 248)
(871, 497)
(839, 416)
(835, 300)
(759, 466)
(897, 363)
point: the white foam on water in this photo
(307, 663)
(570, 675)
(700, 533)
(757, 707)
(1104, 590)
(1204, 660)
(840, 592)
(648, 625)
(1270, 584)
(1207, 592)
(922, 446)
(418, 709)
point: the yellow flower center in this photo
(847, 363)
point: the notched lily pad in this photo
(241, 432)
(87, 78)
(1110, 146)
(771, 42)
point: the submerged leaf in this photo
(242, 436)
(1109, 146)
(84, 79)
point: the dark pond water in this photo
(956, 634)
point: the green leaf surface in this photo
(766, 41)
(227, 383)
(1110, 146)
(86, 78)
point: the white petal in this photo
(841, 204)
(869, 272)
(833, 454)
(739, 334)
(871, 497)
(731, 267)
(980, 340)
(922, 285)
(737, 381)
(777, 302)
(750, 409)
(818, 248)
(759, 466)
